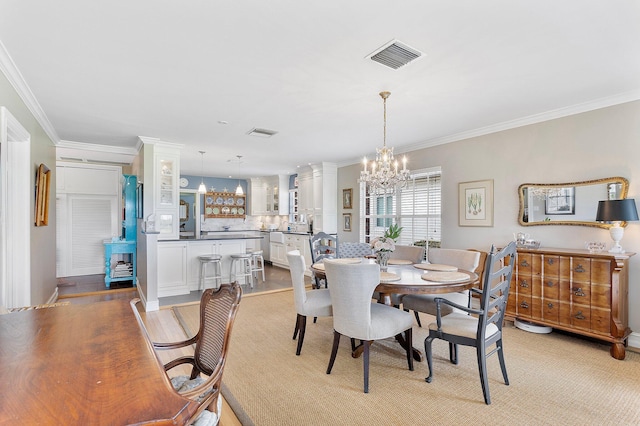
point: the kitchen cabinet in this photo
(270, 195)
(166, 192)
(291, 242)
(301, 243)
(325, 198)
(305, 193)
(317, 196)
(179, 266)
(258, 198)
(278, 254)
(207, 247)
(172, 269)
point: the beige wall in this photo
(591, 145)
(43, 238)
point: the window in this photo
(417, 208)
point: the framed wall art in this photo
(346, 222)
(475, 203)
(43, 184)
(347, 198)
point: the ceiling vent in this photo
(395, 54)
(261, 133)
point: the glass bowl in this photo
(595, 246)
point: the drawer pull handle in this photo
(524, 283)
(580, 268)
(549, 283)
(550, 261)
(524, 263)
(578, 291)
(524, 305)
(579, 315)
(549, 305)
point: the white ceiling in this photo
(107, 72)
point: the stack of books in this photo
(122, 270)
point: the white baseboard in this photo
(634, 340)
(148, 306)
(54, 297)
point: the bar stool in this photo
(241, 261)
(257, 263)
(213, 259)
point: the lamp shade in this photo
(617, 210)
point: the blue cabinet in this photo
(123, 270)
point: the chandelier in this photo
(382, 175)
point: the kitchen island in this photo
(178, 264)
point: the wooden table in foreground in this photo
(411, 282)
(87, 364)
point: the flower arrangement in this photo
(388, 241)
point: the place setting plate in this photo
(348, 260)
(435, 267)
(399, 262)
(388, 276)
(444, 277)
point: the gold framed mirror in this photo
(572, 203)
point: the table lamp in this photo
(617, 211)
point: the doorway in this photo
(15, 212)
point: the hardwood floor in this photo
(162, 325)
(91, 288)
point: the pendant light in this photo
(202, 189)
(239, 190)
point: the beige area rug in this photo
(555, 379)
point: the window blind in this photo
(417, 208)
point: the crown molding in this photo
(592, 105)
(10, 70)
(595, 104)
(97, 147)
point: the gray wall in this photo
(43, 238)
(591, 145)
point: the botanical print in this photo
(476, 201)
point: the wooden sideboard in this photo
(573, 290)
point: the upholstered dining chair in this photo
(350, 249)
(323, 246)
(412, 254)
(314, 303)
(355, 316)
(481, 327)
(218, 308)
(461, 259)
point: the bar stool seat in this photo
(241, 268)
(257, 263)
(212, 259)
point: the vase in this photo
(382, 259)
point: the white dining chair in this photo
(313, 303)
(355, 316)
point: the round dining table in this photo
(409, 279)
